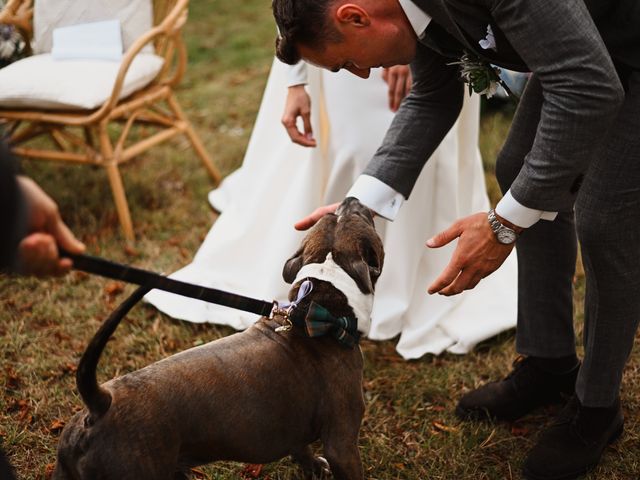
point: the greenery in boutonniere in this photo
(481, 77)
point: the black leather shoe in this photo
(526, 388)
(574, 443)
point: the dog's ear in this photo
(366, 270)
(292, 266)
(359, 271)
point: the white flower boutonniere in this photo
(482, 77)
(489, 42)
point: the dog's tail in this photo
(96, 398)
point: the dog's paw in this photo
(321, 469)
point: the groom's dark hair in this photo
(303, 22)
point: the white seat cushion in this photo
(40, 82)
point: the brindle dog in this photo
(253, 397)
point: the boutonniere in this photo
(481, 77)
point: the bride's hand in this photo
(399, 80)
(298, 104)
(310, 220)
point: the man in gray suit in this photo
(571, 164)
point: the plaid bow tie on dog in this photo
(319, 321)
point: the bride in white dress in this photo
(281, 182)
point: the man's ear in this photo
(353, 14)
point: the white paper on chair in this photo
(96, 41)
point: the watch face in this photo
(506, 236)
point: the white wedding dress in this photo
(280, 182)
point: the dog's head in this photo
(349, 236)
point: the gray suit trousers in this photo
(606, 223)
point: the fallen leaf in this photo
(69, 368)
(56, 426)
(436, 408)
(80, 276)
(61, 337)
(48, 470)
(175, 241)
(131, 251)
(443, 428)
(26, 307)
(24, 411)
(114, 288)
(13, 380)
(519, 431)
(198, 474)
(251, 470)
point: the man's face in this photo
(361, 49)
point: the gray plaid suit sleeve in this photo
(582, 94)
(424, 118)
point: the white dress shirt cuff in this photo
(297, 74)
(512, 210)
(377, 195)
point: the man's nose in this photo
(360, 72)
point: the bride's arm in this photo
(298, 104)
(398, 80)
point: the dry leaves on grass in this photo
(520, 430)
(198, 474)
(443, 427)
(131, 251)
(12, 379)
(252, 470)
(113, 289)
(56, 426)
(23, 410)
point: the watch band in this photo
(503, 234)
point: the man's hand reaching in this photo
(310, 220)
(477, 254)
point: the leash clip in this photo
(285, 309)
(285, 313)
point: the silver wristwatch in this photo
(504, 234)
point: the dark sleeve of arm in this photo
(581, 94)
(423, 120)
(12, 212)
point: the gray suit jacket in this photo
(570, 45)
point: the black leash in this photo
(138, 276)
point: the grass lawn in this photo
(409, 431)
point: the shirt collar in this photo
(417, 17)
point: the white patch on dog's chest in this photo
(331, 272)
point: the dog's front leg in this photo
(345, 462)
(341, 450)
(313, 468)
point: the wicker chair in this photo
(86, 134)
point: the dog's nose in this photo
(352, 206)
